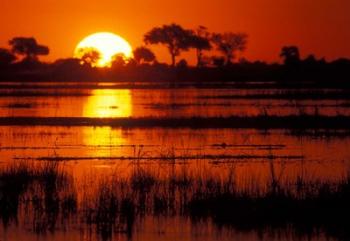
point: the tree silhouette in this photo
(201, 42)
(173, 36)
(182, 64)
(118, 60)
(290, 55)
(230, 43)
(28, 47)
(218, 62)
(143, 54)
(6, 57)
(90, 56)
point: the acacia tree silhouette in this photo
(201, 42)
(28, 47)
(6, 57)
(173, 36)
(143, 54)
(290, 55)
(229, 43)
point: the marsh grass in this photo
(43, 190)
(113, 203)
(306, 205)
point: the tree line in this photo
(173, 36)
(178, 39)
(24, 53)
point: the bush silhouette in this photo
(143, 55)
(6, 57)
(89, 56)
(290, 55)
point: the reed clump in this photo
(42, 190)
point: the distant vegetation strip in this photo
(17, 85)
(232, 158)
(307, 95)
(257, 122)
(273, 95)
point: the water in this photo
(145, 101)
(102, 151)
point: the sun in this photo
(108, 45)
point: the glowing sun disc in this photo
(107, 45)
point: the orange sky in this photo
(317, 26)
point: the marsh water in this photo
(102, 150)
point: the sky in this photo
(320, 27)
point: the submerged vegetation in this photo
(112, 204)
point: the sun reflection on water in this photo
(106, 103)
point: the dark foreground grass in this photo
(112, 204)
(43, 188)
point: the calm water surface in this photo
(88, 149)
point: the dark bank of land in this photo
(296, 122)
(317, 74)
